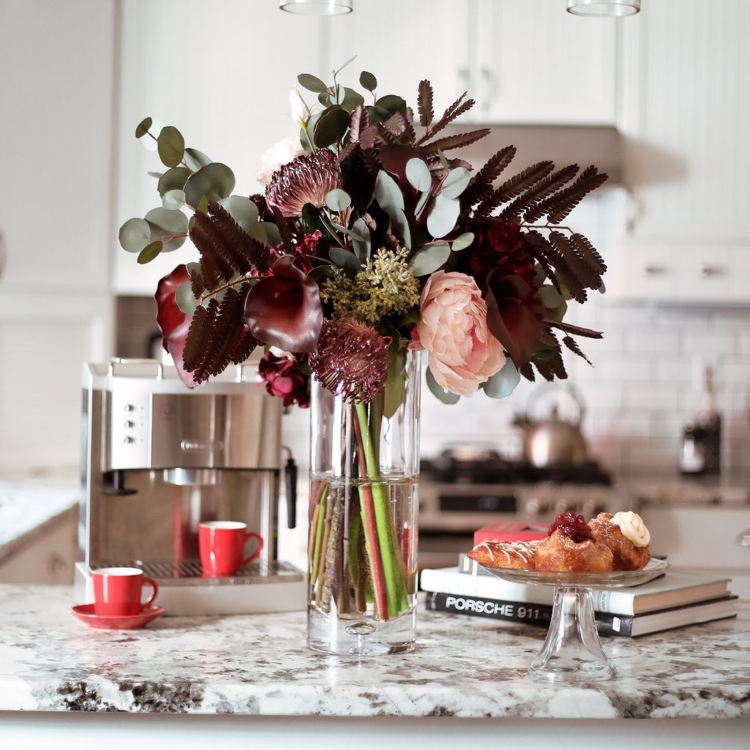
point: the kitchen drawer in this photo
(700, 537)
(643, 272)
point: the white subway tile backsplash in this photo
(649, 341)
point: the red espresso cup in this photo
(222, 545)
(117, 591)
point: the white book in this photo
(670, 590)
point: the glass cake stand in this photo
(572, 652)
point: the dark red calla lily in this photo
(515, 313)
(174, 324)
(395, 158)
(284, 309)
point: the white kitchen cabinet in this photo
(55, 219)
(221, 73)
(523, 62)
(684, 117)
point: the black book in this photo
(628, 626)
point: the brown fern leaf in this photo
(558, 206)
(410, 134)
(534, 246)
(583, 272)
(285, 230)
(480, 187)
(575, 330)
(199, 335)
(538, 192)
(347, 151)
(227, 332)
(370, 161)
(357, 123)
(455, 110)
(244, 347)
(589, 253)
(456, 141)
(527, 371)
(572, 344)
(368, 136)
(552, 367)
(196, 282)
(549, 339)
(424, 103)
(395, 124)
(555, 258)
(514, 186)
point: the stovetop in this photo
(447, 469)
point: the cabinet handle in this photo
(490, 85)
(743, 540)
(652, 270)
(708, 271)
(3, 254)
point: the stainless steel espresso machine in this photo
(159, 459)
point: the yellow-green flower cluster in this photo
(385, 286)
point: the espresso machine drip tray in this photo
(190, 573)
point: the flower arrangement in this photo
(370, 241)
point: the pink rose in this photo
(463, 353)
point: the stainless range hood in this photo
(563, 144)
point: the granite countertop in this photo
(29, 506)
(260, 665)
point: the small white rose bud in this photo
(300, 110)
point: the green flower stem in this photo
(394, 580)
(372, 548)
(319, 536)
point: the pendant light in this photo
(604, 8)
(317, 7)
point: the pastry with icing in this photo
(626, 536)
(519, 555)
(571, 547)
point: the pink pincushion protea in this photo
(306, 179)
(351, 361)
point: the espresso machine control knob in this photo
(563, 505)
(535, 507)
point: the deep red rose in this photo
(286, 377)
(515, 315)
(174, 324)
(497, 247)
(307, 250)
(284, 309)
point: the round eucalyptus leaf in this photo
(361, 240)
(170, 227)
(392, 103)
(331, 127)
(149, 140)
(351, 99)
(157, 175)
(338, 200)
(274, 236)
(174, 200)
(173, 179)
(443, 216)
(171, 146)
(377, 114)
(418, 174)
(503, 383)
(401, 228)
(143, 127)
(242, 210)
(552, 298)
(258, 232)
(196, 159)
(421, 204)
(150, 252)
(368, 81)
(462, 241)
(215, 182)
(345, 259)
(388, 194)
(455, 183)
(440, 393)
(134, 235)
(324, 99)
(312, 83)
(185, 298)
(557, 313)
(430, 258)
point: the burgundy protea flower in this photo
(286, 376)
(305, 179)
(351, 361)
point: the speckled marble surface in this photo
(260, 665)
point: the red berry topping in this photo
(573, 526)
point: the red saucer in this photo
(85, 613)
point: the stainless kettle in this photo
(552, 441)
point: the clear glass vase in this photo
(362, 553)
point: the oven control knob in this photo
(128, 440)
(563, 505)
(536, 507)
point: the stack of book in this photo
(672, 601)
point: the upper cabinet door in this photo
(403, 42)
(538, 64)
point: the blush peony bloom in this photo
(275, 157)
(462, 353)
